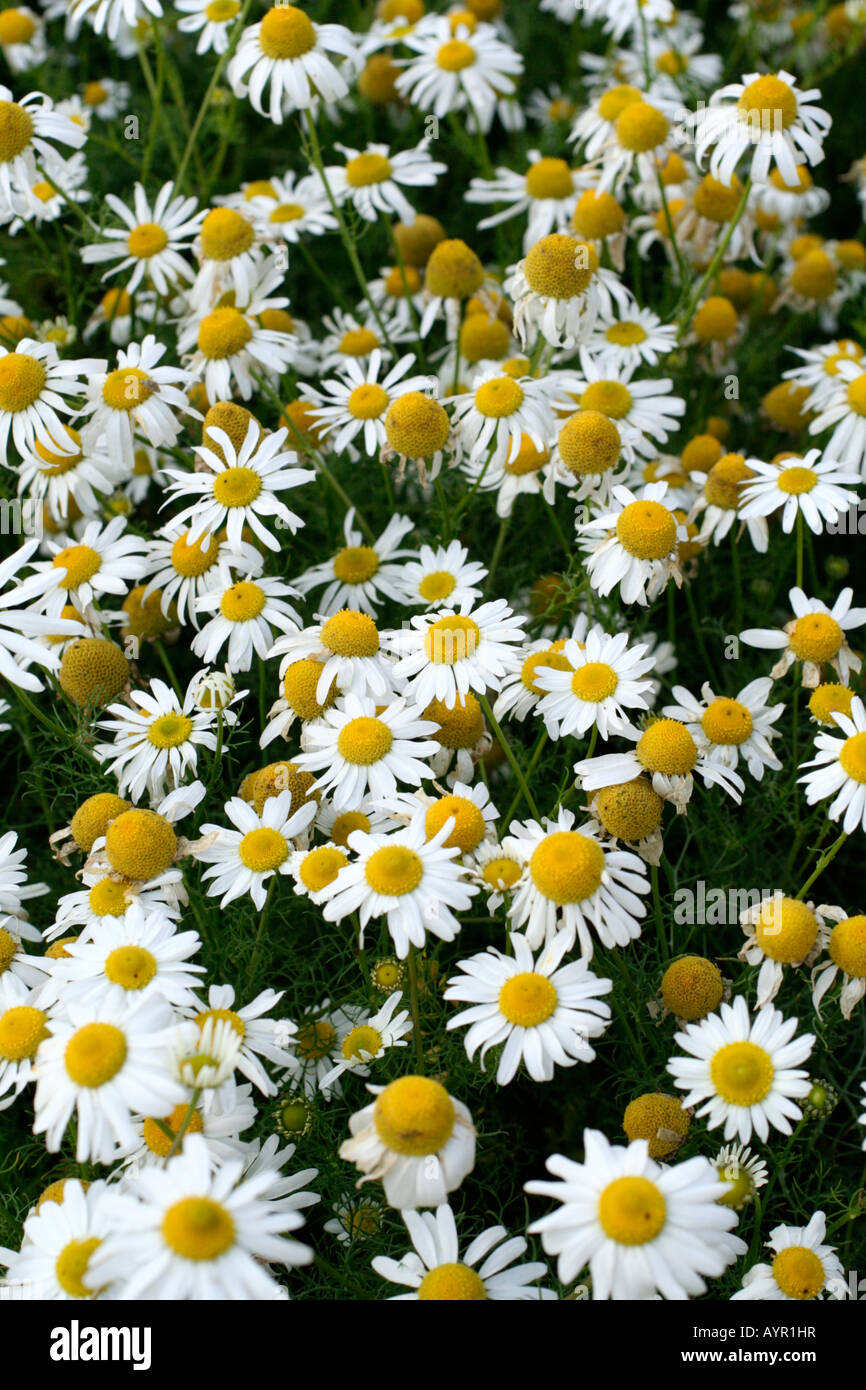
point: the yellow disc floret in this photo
(414, 1116)
(567, 867)
(140, 844)
(527, 999)
(660, 1120)
(197, 1228)
(742, 1073)
(799, 1272)
(630, 810)
(631, 1211)
(646, 530)
(394, 870)
(95, 1054)
(692, 987)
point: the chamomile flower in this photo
(637, 548)
(239, 487)
(542, 1013)
(631, 337)
(803, 1267)
(779, 931)
(843, 409)
(289, 54)
(21, 628)
(411, 880)
(104, 561)
(260, 1037)
(797, 486)
(155, 746)
(185, 1231)
(354, 338)
(105, 901)
(181, 570)
(416, 1138)
(573, 882)
(360, 575)
(245, 859)
(769, 115)
(548, 192)
(440, 577)
(494, 417)
(744, 1173)
(555, 292)
(356, 402)
(643, 1228)
(670, 754)
(137, 397)
(150, 241)
(647, 410)
(433, 1269)
(815, 636)
(445, 654)
(840, 769)
(23, 1025)
(729, 728)
(347, 648)
(370, 1037)
(63, 481)
(212, 20)
(287, 209)
(31, 127)
(230, 259)
(373, 179)
(743, 1071)
(22, 38)
(220, 1118)
(496, 872)
(463, 70)
(602, 679)
(361, 751)
(59, 1241)
(845, 947)
(819, 366)
(102, 1063)
(33, 384)
(229, 343)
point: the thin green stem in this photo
(261, 931)
(507, 750)
(709, 274)
(184, 1126)
(236, 32)
(415, 1010)
(826, 858)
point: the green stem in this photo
(714, 264)
(169, 669)
(497, 551)
(185, 1124)
(260, 933)
(657, 909)
(211, 88)
(800, 524)
(738, 581)
(826, 858)
(415, 1010)
(507, 750)
(536, 754)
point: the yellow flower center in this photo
(646, 530)
(567, 867)
(108, 898)
(716, 320)
(615, 101)
(501, 873)
(594, 682)
(197, 1228)
(394, 281)
(367, 402)
(437, 585)
(641, 127)
(224, 233)
(551, 657)
(193, 560)
(667, 747)
(589, 442)
(21, 377)
(358, 342)
(848, 351)
(355, 564)
(387, 974)
(527, 1000)
(799, 1272)
(146, 240)
(609, 398)
(528, 460)
(630, 811)
(451, 639)
(71, 1264)
(366, 169)
(416, 425)
(856, 393)
(95, 1054)
(263, 850)
(597, 215)
(126, 388)
(361, 1040)
(157, 1141)
(140, 844)
(228, 1016)
(726, 721)
(16, 27)
(394, 870)
(81, 563)
(500, 397)
(21, 1031)
(364, 740)
(797, 480)
(829, 699)
(660, 1120)
(350, 633)
(8, 949)
(452, 1283)
(219, 11)
(631, 1211)
(243, 602)
(816, 637)
(321, 866)
(768, 104)
(815, 276)
(16, 128)
(287, 212)
(455, 55)
(460, 727)
(742, 1073)
(558, 266)
(468, 829)
(786, 930)
(56, 463)
(625, 334)
(847, 946)
(714, 201)
(315, 1040)
(299, 688)
(852, 759)
(237, 487)
(223, 333)
(414, 1116)
(549, 178)
(131, 967)
(483, 337)
(692, 987)
(169, 730)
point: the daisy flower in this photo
(259, 1036)
(670, 754)
(347, 648)
(155, 746)
(354, 338)
(33, 383)
(768, 114)
(600, 682)
(555, 292)
(360, 575)
(370, 1037)
(643, 1228)
(541, 1013)
(151, 239)
(355, 403)
(447, 653)
(23, 1026)
(372, 180)
(238, 487)
(845, 947)
(61, 480)
(439, 576)
(840, 769)
(473, 813)
(245, 859)
(102, 1063)
(744, 1173)
(315, 1047)
(803, 1266)
(572, 882)
(287, 209)
(245, 613)
(646, 410)
(637, 548)
(798, 487)
(229, 256)
(520, 692)
(548, 191)
(210, 19)
(411, 880)
(628, 17)
(743, 1070)
(105, 560)
(727, 729)
(360, 751)
(20, 626)
(819, 366)
(780, 931)
(220, 1117)
(106, 901)
(288, 53)
(22, 39)
(416, 1138)
(843, 409)
(188, 1232)
(630, 338)
(181, 569)
(434, 1269)
(454, 70)
(495, 871)
(136, 397)
(229, 343)
(500, 410)
(815, 636)
(30, 126)
(139, 956)
(59, 1241)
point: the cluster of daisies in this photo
(170, 485)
